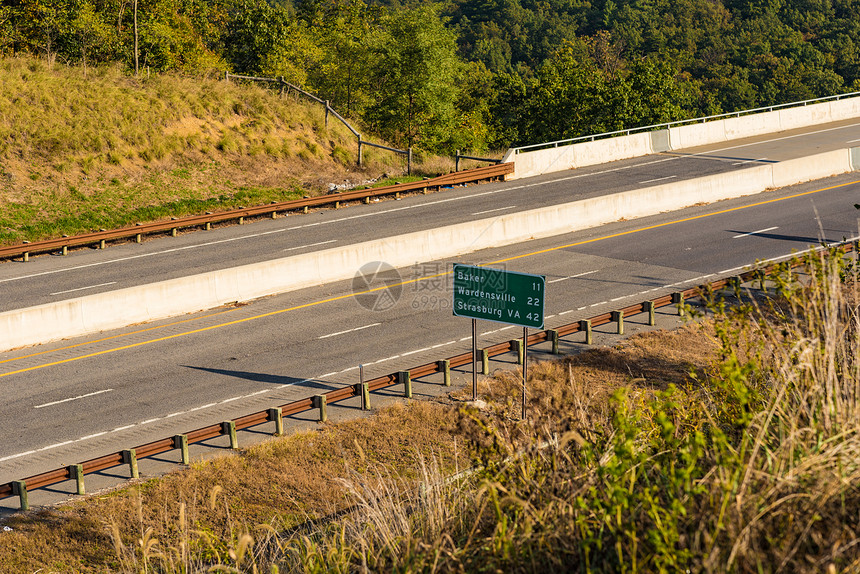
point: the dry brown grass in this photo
(274, 487)
(282, 483)
(82, 151)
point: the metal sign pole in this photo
(474, 359)
(361, 380)
(525, 365)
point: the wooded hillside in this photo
(475, 74)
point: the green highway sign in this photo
(499, 295)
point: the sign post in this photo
(502, 296)
(525, 366)
(474, 359)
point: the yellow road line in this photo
(67, 347)
(402, 283)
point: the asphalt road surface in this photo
(50, 278)
(78, 399)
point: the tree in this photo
(348, 33)
(414, 81)
(573, 96)
(92, 38)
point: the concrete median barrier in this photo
(583, 154)
(114, 309)
(549, 160)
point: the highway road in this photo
(77, 399)
(52, 278)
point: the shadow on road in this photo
(267, 378)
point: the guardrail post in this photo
(319, 402)
(129, 457)
(276, 416)
(180, 441)
(76, 471)
(208, 226)
(405, 378)
(65, 250)
(241, 220)
(26, 256)
(618, 317)
(517, 346)
(326, 112)
(229, 428)
(457, 161)
(585, 325)
(649, 308)
(360, 150)
(485, 362)
(138, 238)
(363, 390)
(19, 488)
(553, 337)
(678, 299)
(445, 368)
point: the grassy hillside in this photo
(82, 149)
(728, 446)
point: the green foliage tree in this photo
(573, 95)
(91, 37)
(253, 31)
(414, 82)
(7, 29)
(348, 33)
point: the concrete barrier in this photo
(811, 115)
(846, 109)
(93, 313)
(549, 160)
(763, 123)
(810, 168)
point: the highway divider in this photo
(115, 309)
(531, 162)
(275, 415)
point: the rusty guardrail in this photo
(100, 238)
(275, 415)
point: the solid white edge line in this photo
(73, 399)
(659, 179)
(492, 210)
(83, 288)
(310, 245)
(572, 276)
(348, 331)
